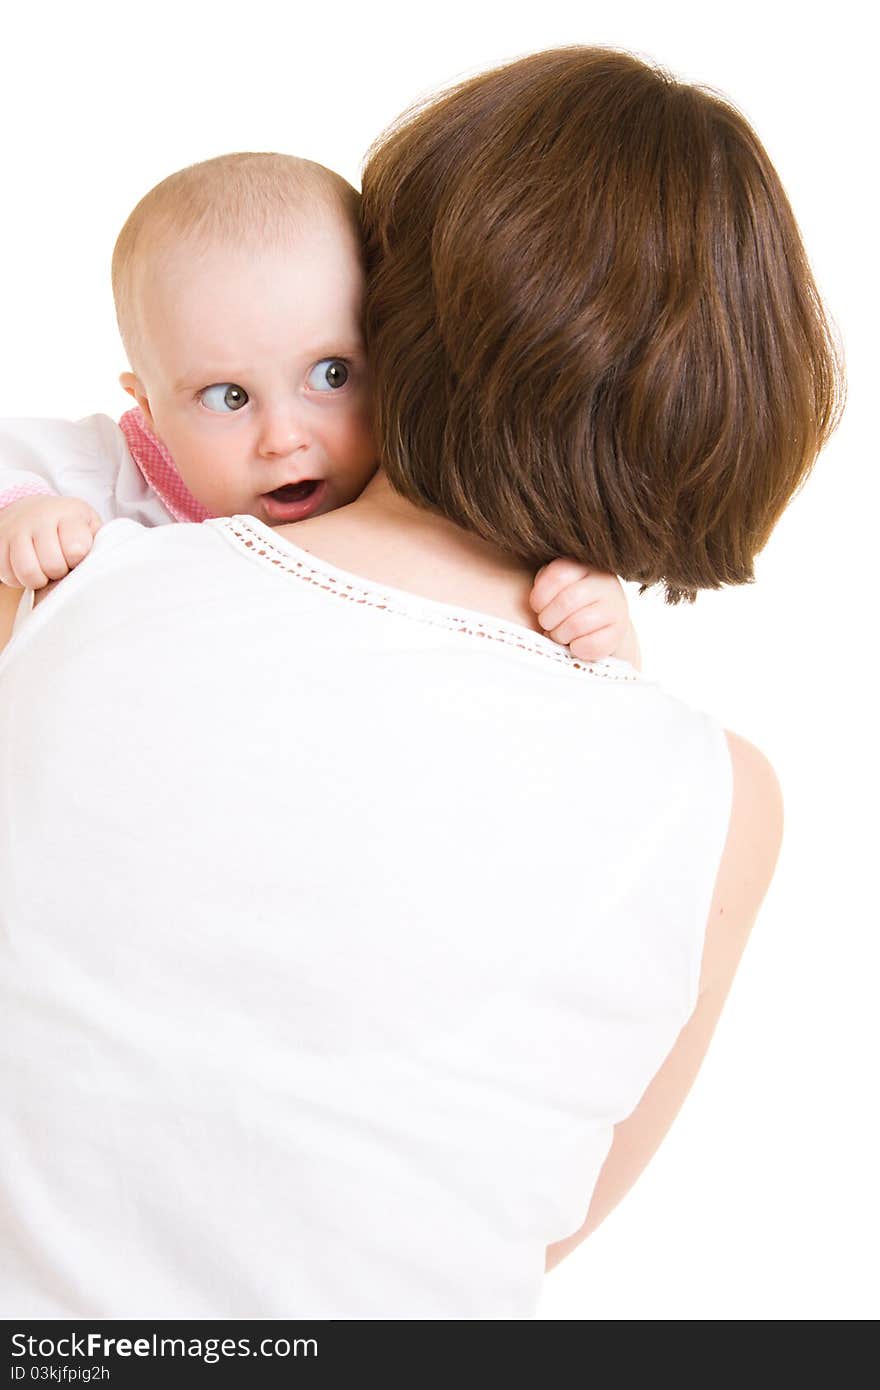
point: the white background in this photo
(761, 1203)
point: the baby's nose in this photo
(281, 432)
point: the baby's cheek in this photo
(217, 477)
(352, 454)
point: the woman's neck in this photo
(383, 537)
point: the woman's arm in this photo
(9, 600)
(747, 865)
(9, 606)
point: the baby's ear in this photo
(135, 387)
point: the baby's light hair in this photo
(245, 198)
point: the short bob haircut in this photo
(592, 327)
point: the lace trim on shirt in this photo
(280, 558)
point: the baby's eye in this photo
(224, 396)
(328, 374)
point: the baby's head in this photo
(238, 285)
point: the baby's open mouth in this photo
(294, 492)
(293, 501)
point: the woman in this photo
(384, 939)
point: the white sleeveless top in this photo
(338, 928)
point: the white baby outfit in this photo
(121, 470)
(338, 929)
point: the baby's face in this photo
(254, 373)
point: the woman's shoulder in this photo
(757, 810)
(751, 851)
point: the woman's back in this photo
(366, 925)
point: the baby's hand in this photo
(585, 610)
(44, 538)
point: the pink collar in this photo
(159, 469)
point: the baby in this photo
(238, 285)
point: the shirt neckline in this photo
(277, 553)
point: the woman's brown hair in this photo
(592, 326)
